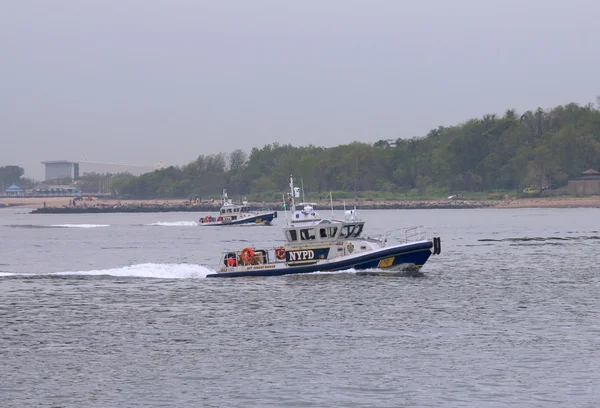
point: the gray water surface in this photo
(113, 310)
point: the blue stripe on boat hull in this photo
(252, 220)
(409, 254)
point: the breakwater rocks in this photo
(141, 207)
(127, 208)
(408, 205)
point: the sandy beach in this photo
(541, 202)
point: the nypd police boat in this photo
(237, 214)
(315, 244)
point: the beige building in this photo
(64, 169)
(587, 183)
(61, 169)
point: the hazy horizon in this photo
(139, 82)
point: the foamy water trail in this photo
(7, 274)
(79, 225)
(351, 271)
(149, 270)
(174, 224)
(172, 271)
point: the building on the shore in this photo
(65, 169)
(61, 169)
(588, 183)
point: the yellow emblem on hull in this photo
(386, 262)
(258, 220)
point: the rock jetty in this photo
(185, 206)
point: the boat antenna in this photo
(292, 194)
(302, 184)
(331, 201)
(285, 209)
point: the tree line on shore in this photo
(510, 152)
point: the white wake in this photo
(174, 224)
(7, 274)
(147, 270)
(79, 225)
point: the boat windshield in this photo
(328, 232)
(307, 234)
(324, 233)
(291, 235)
(351, 230)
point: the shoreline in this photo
(60, 205)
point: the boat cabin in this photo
(234, 210)
(229, 207)
(324, 231)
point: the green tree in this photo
(11, 174)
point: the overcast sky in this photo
(138, 81)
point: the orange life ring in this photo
(280, 253)
(207, 218)
(231, 261)
(247, 254)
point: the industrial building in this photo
(65, 169)
(61, 169)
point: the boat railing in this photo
(409, 234)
